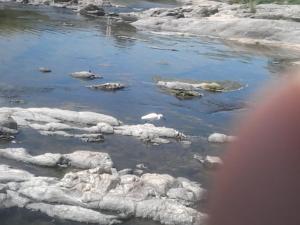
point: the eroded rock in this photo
(87, 126)
(85, 195)
(149, 132)
(77, 159)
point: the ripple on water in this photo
(34, 37)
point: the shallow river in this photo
(33, 37)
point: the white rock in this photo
(8, 174)
(77, 159)
(79, 196)
(220, 138)
(89, 160)
(87, 126)
(74, 213)
(85, 75)
(209, 162)
(149, 132)
(272, 24)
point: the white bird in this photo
(152, 116)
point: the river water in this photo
(37, 36)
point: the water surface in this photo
(33, 37)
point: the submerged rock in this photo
(85, 75)
(190, 89)
(45, 70)
(108, 86)
(179, 89)
(92, 10)
(152, 116)
(191, 86)
(220, 138)
(209, 162)
(183, 94)
(86, 195)
(212, 86)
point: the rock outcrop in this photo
(95, 196)
(77, 159)
(270, 24)
(87, 126)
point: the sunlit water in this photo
(33, 37)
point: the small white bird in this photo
(152, 117)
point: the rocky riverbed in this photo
(107, 117)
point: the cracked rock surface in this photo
(88, 195)
(87, 126)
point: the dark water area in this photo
(39, 36)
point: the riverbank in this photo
(271, 24)
(268, 24)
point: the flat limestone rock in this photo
(74, 213)
(213, 86)
(270, 24)
(87, 126)
(8, 174)
(149, 132)
(77, 159)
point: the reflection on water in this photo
(33, 37)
